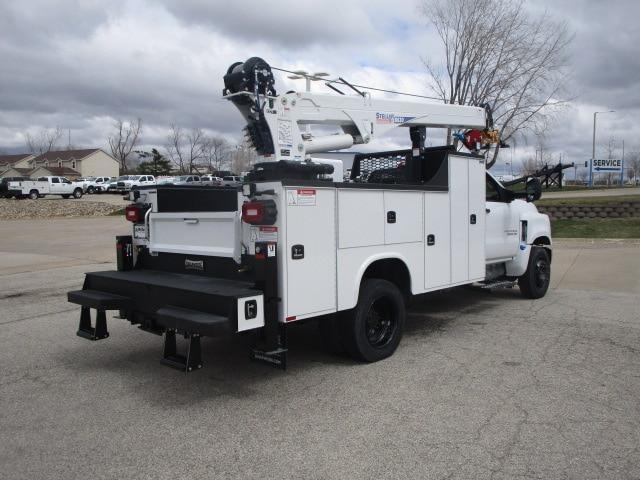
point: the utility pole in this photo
(593, 152)
(622, 166)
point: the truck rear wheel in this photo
(374, 328)
(33, 194)
(77, 193)
(534, 283)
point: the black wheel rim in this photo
(380, 323)
(542, 273)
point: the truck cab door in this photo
(501, 234)
(55, 185)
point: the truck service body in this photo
(292, 243)
(45, 186)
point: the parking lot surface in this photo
(483, 385)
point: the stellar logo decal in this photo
(194, 265)
(383, 118)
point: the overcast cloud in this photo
(82, 64)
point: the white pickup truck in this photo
(34, 189)
(292, 245)
(129, 182)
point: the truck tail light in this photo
(134, 213)
(259, 212)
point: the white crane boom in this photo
(275, 123)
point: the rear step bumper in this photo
(169, 303)
(162, 300)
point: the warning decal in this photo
(264, 234)
(301, 197)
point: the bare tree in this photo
(44, 141)
(216, 153)
(496, 53)
(612, 149)
(196, 142)
(174, 147)
(243, 157)
(186, 149)
(632, 164)
(125, 137)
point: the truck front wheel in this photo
(77, 193)
(374, 328)
(534, 283)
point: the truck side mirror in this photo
(533, 189)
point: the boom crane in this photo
(275, 123)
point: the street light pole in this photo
(593, 151)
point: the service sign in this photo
(607, 165)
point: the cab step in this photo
(498, 284)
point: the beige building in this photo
(21, 161)
(92, 162)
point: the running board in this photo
(497, 284)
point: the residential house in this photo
(16, 165)
(92, 162)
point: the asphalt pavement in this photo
(483, 385)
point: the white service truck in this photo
(35, 189)
(292, 245)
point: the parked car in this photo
(165, 180)
(4, 185)
(211, 180)
(35, 189)
(231, 181)
(187, 180)
(133, 181)
(113, 185)
(100, 185)
(85, 182)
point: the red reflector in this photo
(288, 319)
(132, 213)
(253, 212)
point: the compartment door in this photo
(458, 191)
(310, 252)
(437, 242)
(477, 206)
(403, 217)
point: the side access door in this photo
(502, 233)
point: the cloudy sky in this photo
(81, 64)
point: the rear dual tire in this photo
(373, 329)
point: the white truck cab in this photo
(134, 181)
(293, 243)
